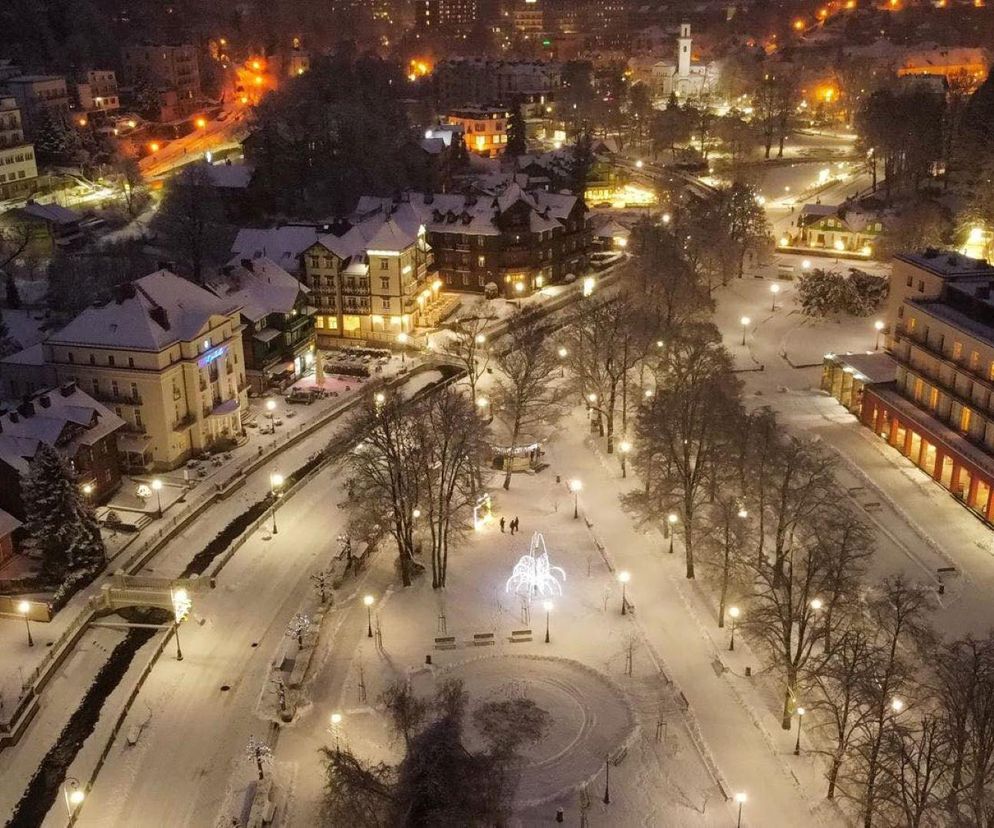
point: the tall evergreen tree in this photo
(12, 293)
(517, 138)
(59, 519)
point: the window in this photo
(134, 391)
(921, 285)
(110, 360)
(96, 386)
(933, 399)
(113, 388)
(384, 264)
(385, 303)
(318, 321)
(315, 261)
(131, 362)
(974, 360)
(900, 312)
(957, 350)
(919, 389)
(481, 261)
(93, 360)
(73, 359)
(910, 280)
(912, 324)
(138, 419)
(964, 419)
(384, 283)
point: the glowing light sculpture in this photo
(534, 573)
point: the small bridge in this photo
(123, 590)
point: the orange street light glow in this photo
(201, 122)
(154, 146)
(799, 25)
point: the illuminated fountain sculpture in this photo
(533, 574)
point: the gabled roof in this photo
(259, 286)
(283, 245)
(64, 418)
(149, 314)
(53, 213)
(8, 523)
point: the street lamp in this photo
(271, 413)
(275, 484)
(368, 601)
(774, 289)
(181, 608)
(896, 704)
(575, 486)
(639, 164)
(336, 721)
(671, 521)
(563, 353)
(402, 340)
(624, 576)
(878, 326)
(625, 447)
(379, 398)
(24, 608)
(87, 489)
(73, 794)
(800, 718)
(666, 218)
(744, 322)
(740, 798)
(416, 513)
(816, 604)
(548, 609)
(733, 613)
(157, 488)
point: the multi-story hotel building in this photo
(484, 128)
(171, 67)
(446, 16)
(97, 92)
(166, 355)
(18, 170)
(935, 401)
(38, 96)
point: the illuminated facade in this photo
(166, 355)
(446, 15)
(485, 129)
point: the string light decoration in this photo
(534, 574)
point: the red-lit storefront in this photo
(959, 466)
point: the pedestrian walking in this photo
(502, 524)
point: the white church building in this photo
(683, 77)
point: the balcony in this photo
(902, 353)
(184, 422)
(118, 398)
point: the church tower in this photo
(683, 52)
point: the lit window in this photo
(964, 419)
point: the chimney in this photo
(13, 417)
(26, 409)
(68, 389)
(248, 265)
(160, 317)
(44, 401)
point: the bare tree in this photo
(525, 394)
(469, 347)
(682, 430)
(14, 240)
(725, 545)
(915, 770)
(407, 712)
(355, 793)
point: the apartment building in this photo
(18, 170)
(484, 128)
(171, 68)
(167, 356)
(38, 96)
(446, 16)
(97, 93)
(278, 337)
(937, 405)
(463, 81)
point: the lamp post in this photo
(896, 704)
(733, 613)
(563, 353)
(87, 490)
(482, 403)
(624, 576)
(275, 484)
(24, 608)
(402, 340)
(774, 289)
(548, 609)
(671, 521)
(336, 721)
(740, 798)
(744, 322)
(271, 413)
(575, 486)
(368, 601)
(625, 447)
(157, 488)
(800, 718)
(878, 326)
(181, 608)
(379, 398)
(73, 794)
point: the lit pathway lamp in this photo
(548, 610)
(181, 609)
(482, 403)
(575, 486)
(402, 340)
(878, 326)
(733, 613)
(275, 485)
(368, 601)
(157, 488)
(379, 399)
(740, 798)
(73, 794)
(625, 447)
(744, 322)
(800, 718)
(774, 289)
(271, 413)
(24, 608)
(87, 490)
(563, 353)
(896, 704)
(671, 522)
(624, 576)
(336, 728)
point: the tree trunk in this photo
(787, 696)
(510, 457)
(724, 580)
(833, 773)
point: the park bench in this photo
(483, 639)
(520, 636)
(446, 642)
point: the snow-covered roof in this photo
(229, 176)
(283, 245)
(34, 355)
(612, 229)
(52, 213)
(259, 286)
(819, 210)
(149, 314)
(64, 418)
(8, 523)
